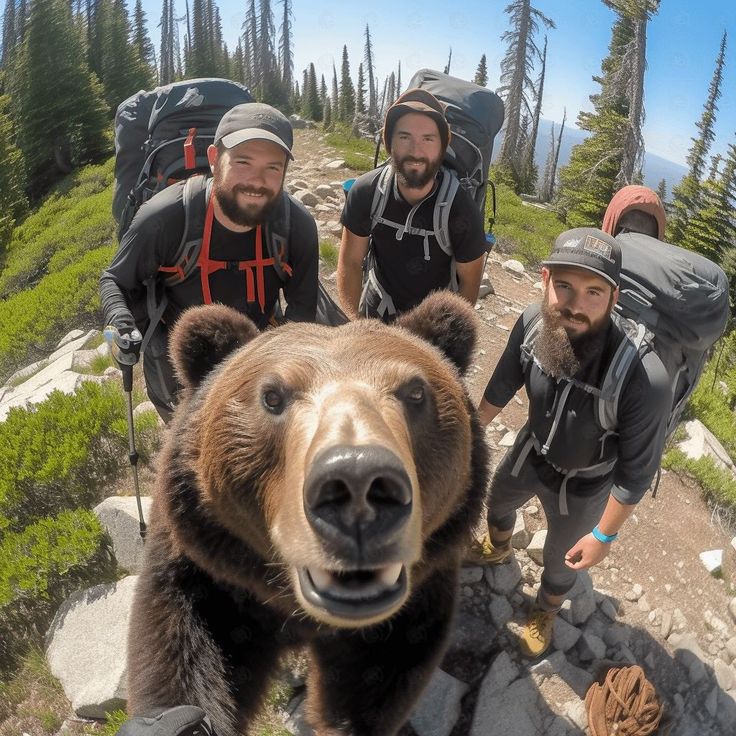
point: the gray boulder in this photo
(119, 516)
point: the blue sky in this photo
(683, 42)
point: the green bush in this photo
(525, 231)
(357, 152)
(717, 485)
(60, 230)
(328, 253)
(33, 321)
(63, 453)
(42, 565)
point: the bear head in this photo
(325, 470)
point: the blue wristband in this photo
(601, 537)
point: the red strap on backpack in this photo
(190, 157)
(253, 284)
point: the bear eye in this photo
(414, 392)
(273, 400)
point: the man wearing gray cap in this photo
(252, 241)
(588, 472)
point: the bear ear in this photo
(448, 322)
(203, 337)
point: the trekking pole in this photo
(126, 349)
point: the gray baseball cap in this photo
(588, 248)
(253, 121)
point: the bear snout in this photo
(358, 501)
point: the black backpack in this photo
(162, 137)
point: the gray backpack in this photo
(672, 301)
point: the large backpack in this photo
(162, 136)
(475, 115)
(672, 301)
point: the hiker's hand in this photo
(183, 720)
(125, 344)
(586, 552)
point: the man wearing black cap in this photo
(587, 478)
(249, 158)
(408, 256)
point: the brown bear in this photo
(317, 487)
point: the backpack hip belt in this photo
(591, 471)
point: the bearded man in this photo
(388, 263)
(244, 198)
(588, 480)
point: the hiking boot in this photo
(483, 552)
(537, 636)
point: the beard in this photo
(248, 215)
(562, 352)
(411, 178)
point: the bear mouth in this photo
(355, 594)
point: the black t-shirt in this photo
(153, 240)
(401, 266)
(643, 411)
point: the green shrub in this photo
(64, 453)
(42, 565)
(717, 484)
(525, 231)
(328, 253)
(113, 722)
(357, 152)
(33, 321)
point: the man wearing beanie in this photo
(391, 259)
(238, 209)
(568, 351)
(635, 209)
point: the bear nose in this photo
(361, 493)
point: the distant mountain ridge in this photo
(656, 168)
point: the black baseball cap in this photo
(416, 100)
(588, 248)
(254, 121)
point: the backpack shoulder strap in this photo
(194, 200)
(631, 342)
(443, 204)
(277, 230)
(532, 326)
(380, 194)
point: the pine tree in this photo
(712, 227)
(327, 115)
(449, 62)
(613, 153)
(167, 70)
(286, 53)
(546, 184)
(390, 90)
(10, 34)
(122, 72)
(311, 107)
(686, 195)
(481, 73)
(516, 84)
(347, 91)
(398, 80)
(529, 168)
(370, 69)
(360, 92)
(141, 39)
(250, 46)
(12, 174)
(238, 63)
(335, 94)
(58, 105)
(662, 190)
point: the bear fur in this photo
(317, 488)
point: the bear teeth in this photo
(356, 584)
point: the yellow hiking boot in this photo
(483, 552)
(537, 636)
